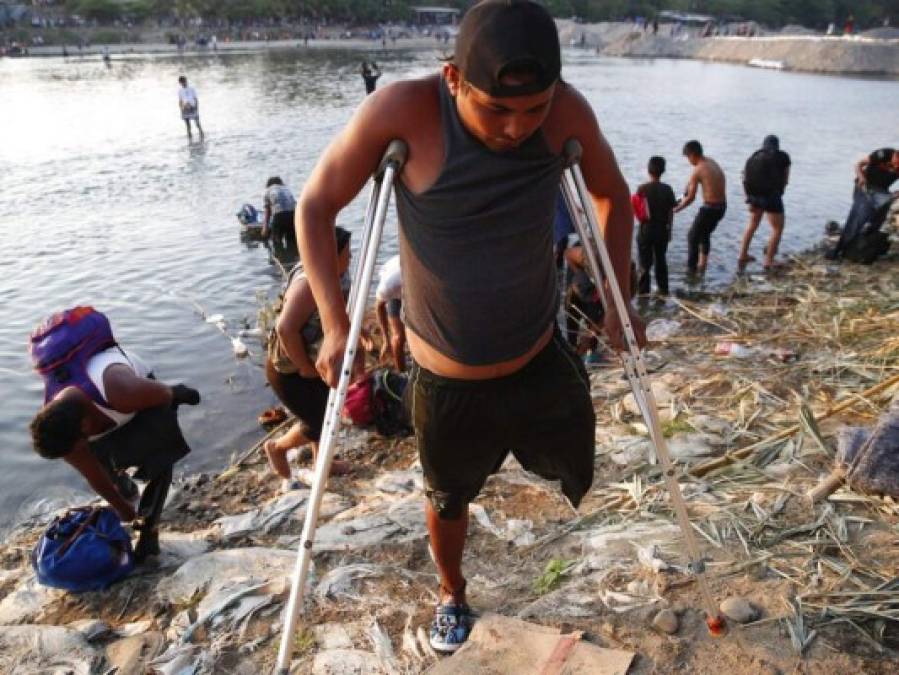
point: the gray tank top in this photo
(479, 280)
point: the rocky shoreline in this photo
(796, 573)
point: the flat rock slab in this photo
(499, 645)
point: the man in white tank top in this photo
(135, 425)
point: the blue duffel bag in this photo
(86, 549)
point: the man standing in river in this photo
(190, 106)
(476, 201)
(708, 175)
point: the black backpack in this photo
(391, 415)
(761, 174)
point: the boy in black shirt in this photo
(655, 233)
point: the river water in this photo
(104, 202)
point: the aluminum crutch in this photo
(391, 164)
(575, 191)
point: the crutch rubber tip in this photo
(717, 625)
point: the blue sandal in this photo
(451, 627)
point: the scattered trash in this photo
(518, 531)
(277, 511)
(659, 330)
(91, 629)
(198, 574)
(27, 601)
(182, 660)
(131, 655)
(735, 350)
(239, 348)
(46, 649)
(372, 525)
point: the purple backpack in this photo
(62, 345)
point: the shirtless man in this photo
(476, 201)
(708, 174)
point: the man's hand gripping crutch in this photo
(600, 264)
(376, 214)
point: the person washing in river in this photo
(708, 175)
(189, 103)
(765, 179)
(278, 205)
(476, 201)
(114, 417)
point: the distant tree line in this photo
(811, 13)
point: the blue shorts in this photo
(767, 203)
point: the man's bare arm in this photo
(690, 195)
(87, 465)
(340, 174)
(860, 167)
(298, 307)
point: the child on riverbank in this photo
(654, 233)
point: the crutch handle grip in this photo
(395, 155)
(572, 152)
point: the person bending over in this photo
(132, 423)
(279, 206)
(861, 239)
(476, 201)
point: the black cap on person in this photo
(498, 36)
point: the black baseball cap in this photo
(499, 36)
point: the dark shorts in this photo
(543, 414)
(767, 203)
(152, 441)
(282, 225)
(394, 308)
(305, 397)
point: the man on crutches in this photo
(476, 200)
